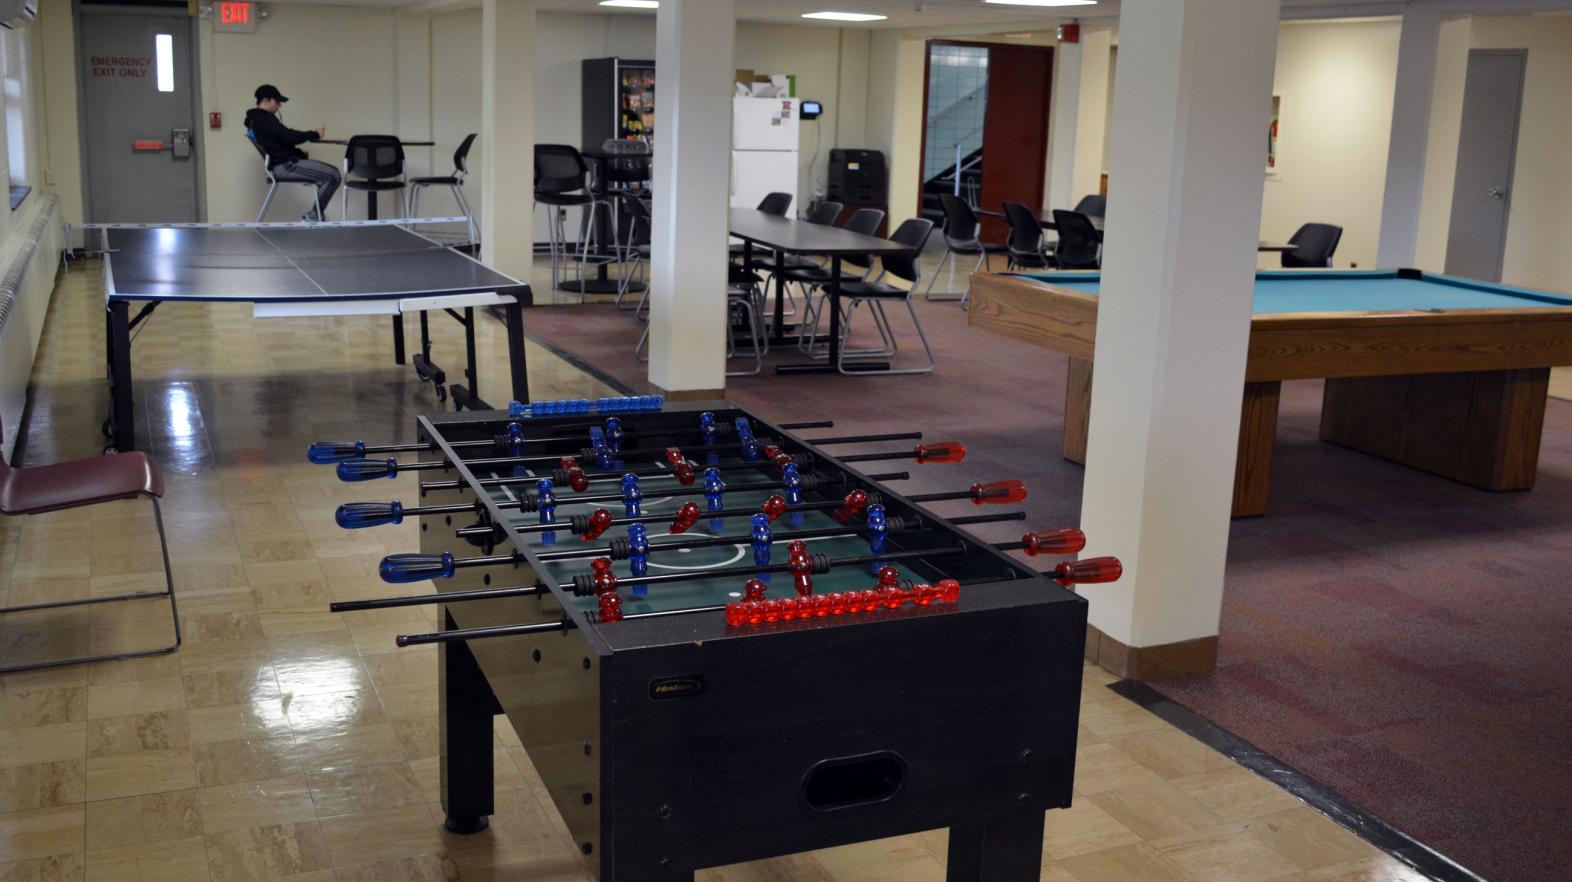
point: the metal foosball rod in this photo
(811, 480)
(1063, 541)
(355, 515)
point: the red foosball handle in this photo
(1091, 571)
(1066, 541)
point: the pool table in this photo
(1436, 372)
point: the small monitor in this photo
(811, 109)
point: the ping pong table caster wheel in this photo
(442, 394)
(110, 450)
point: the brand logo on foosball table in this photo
(663, 688)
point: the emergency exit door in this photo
(140, 109)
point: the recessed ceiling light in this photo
(633, 4)
(1043, 2)
(845, 16)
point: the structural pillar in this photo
(1189, 125)
(1417, 46)
(688, 250)
(507, 135)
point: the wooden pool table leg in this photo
(1257, 435)
(1481, 428)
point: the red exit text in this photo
(121, 66)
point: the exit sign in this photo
(235, 16)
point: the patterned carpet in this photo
(1398, 637)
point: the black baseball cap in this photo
(267, 90)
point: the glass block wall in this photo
(957, 100)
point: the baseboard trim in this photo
(1150, 662)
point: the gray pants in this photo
(311, 171)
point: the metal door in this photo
(1482, 189)
(138, 99)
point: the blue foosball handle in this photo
(416, 567)
(356, 515)
(367, 469)
(326, 452)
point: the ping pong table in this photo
(301, 269)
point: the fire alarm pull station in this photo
(215, 120)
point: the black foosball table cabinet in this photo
(673, 742)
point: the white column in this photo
(1189, 127)
(1405, 159)
(1061, 128)
(507, 134)
(1091, 127)
(693, 57)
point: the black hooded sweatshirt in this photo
(278, 141)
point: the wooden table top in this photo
(801, 237)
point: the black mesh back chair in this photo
(630, 169)
(913, 233)
(454, 183)
(1314, 245)
(272, 182)
(962, 235)
(1028, 247)
(562, 181)
(1093, 205)
(775, 203)
(864, 221)
(1078, 246)
(374, 164)
(824, 213)
(637, 246)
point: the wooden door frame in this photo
(927, 58)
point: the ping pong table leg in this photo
(122, 415)
(472, 371)
(515, 321)
(398, 338)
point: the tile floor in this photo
(284, 742)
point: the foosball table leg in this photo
(1000, 849)
(466, 706)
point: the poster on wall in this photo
(1271, 135)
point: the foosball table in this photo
(720, 642)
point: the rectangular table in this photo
(1045, 218)
(359, 268)
(1443, 374)
(787, 236)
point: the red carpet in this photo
(1400, 638)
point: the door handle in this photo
(1497, 193)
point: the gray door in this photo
(1482, 192)
(139, 96)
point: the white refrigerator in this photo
(764, 133)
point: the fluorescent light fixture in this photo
(632, 4)
(164, 58)
(1043, 2)
(845, 16)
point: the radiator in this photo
(28, 263)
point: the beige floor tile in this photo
(327, 749)
(1171, 753)
(55, 868)
(271, 851)
(1113, 719)
(1101, 767)
(262, 718)
(402, 832)
(155, 667)
(519, 864)
(139, 697)
(418, 738)
(230, 686)
(179, 860)
(1221, 854)
(43, 744)
(161, 730)
(420, 868)
(156, 817)
(885, 860)
(1376, 869)
(790, 868)
(364, 789)
(1156, 810)
(1127, 863)
(133, 774)
(42, 707)
(1236, 794)
(44, 785)
(1309, 839)
(41, 832)
(250, 759)
(1082, 828)
(272, 801)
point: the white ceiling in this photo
(980, 16)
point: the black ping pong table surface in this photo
(359, 268)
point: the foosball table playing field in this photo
(720, 642)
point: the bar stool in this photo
(454, 182)
(562, 181)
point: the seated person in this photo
(284, 157)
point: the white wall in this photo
(62, 150)
(1336, 83)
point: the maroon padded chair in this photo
(65, 485)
